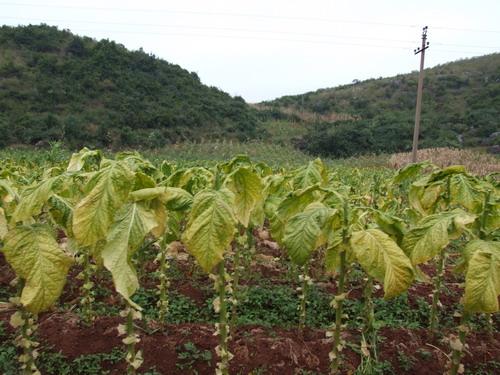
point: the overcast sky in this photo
(262, 49)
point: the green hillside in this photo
(461, 108)
(56, 86)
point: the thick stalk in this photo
(305, 279)
(235, 297)
(222, 350)
(30, 353)
(338, 304)
(459, 346)
(438, 281)
(369, 330)
(338, 345)
(484, 216)
(25, 324)
(163, 302)
(133, 357)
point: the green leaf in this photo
(392, 225)
(61, 211)
(247, 188)
(432, 234)
(133, 222)
(107, 191)
(482, 281)
(383, 259)
(210, 227)
(305, 232)
(409, 171)
(294, 203)
(35, 256)
(33, 198)
(275, 190)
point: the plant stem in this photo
(369, 328)
(456, 355)
(236, 278)
(304, 289)
(163, 302)
(28, 328)
(223, 350)
(133, 357)
(438, 280)
(131, 346)
(484, 216)
(339, 298)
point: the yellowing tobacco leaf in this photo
(33, 198)
(305, 232)
(432, 234)
(35, 256)
(107, 191)
(133, 222)
(247, 188)
(313, 173)
(210, 227)
(383, 259)
(294, 203)
(482, 280)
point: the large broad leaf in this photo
(133, 222)
(465, 191)
(33, 198)
(423, 197)
(61, 210)
(410, 171)
(313, 173)
(275, 190)
(107, 191)
(482, 281)
(174, 198)
(383, 259)
(247, 188)
(210, 227)
(305, 232)
(392, 225)
(432, 234)
(193, 179)
(294, 203)
(33, 253)
(424, 193)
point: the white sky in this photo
(265, 49)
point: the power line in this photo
(254, 37)
(213, 28)
(246, 15)
(206, 13)
(268, 39)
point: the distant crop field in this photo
(228, 258)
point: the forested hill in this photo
(58, 86)
(461, 107)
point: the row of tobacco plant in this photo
(388, 224)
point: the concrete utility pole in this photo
(416, 130)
